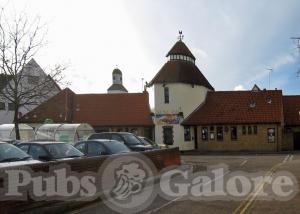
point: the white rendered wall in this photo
(182, 98)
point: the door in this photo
(297, 141)
(168, 135)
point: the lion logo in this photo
(129, 180)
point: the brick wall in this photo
(244, 142)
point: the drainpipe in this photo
(277, 138)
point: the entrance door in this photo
(168, 135)
(297, 141)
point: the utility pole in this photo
(297, 41)
(270, 71)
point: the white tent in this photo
(7, 132)
(64, 132)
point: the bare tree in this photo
(20, 40)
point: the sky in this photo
(234, 42)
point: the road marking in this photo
(291, 158)
(243, 163)
(286, 158)
(242, 208)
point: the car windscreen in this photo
(131, 139)
(116, 147)
(63, 150)
(9, 152)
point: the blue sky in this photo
(234, 41)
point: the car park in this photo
(50, 151)
(129, 139)
(101, 147)
(10, 155)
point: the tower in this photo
(179, 88)
(117, 86)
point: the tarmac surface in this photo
(268, 165)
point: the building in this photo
(239, 121)
(117, 80)
(190, 114)
(128, 112)
(31, 75)
(179, 88)
(291, 110)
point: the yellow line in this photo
(242, 208)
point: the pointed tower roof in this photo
(180, 68)
(180, 48)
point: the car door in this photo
(37, 151)
(96, 149)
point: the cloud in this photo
(201, 53)
(239, 88)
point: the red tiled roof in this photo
(130, 109)
(291, 109)
(238, 107)
(58, 108)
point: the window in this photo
(219, 133)
(11, 107)
(212, 133)
(271, 135)
(80, 147)
(244, 130)
(24, 148)
(117, 138)
(2, 106)
(187, 133)
(166, 92)
(95, 149)
(204, 133)
(33, 79)
(254, 129)
(233, 132)
(36, 151)
(249, 130)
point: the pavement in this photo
(268, 164)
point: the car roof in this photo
(113, 133)
(42, 142)
(97, 140)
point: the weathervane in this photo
(180, 37)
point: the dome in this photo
(117, 71)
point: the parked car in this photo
(101, 147)
(49, 150)
(10, 155)
(147, 141)
(10, 141)
(129, 139)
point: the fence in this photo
(160, 158)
